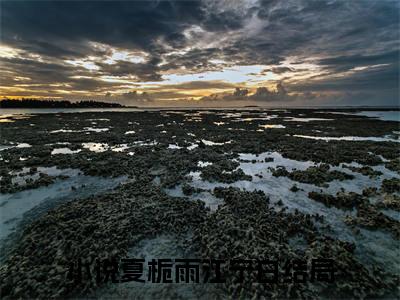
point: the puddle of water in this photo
(64, 151)
(10, 118)
(381, 115)
(96, 129)
(96, 147)
(130, 132)
(98, 119)
(36, 201)
(23, 145)
(293, 119)
(278, 160)
(211, 143)
(173, 146)
(58, 143)
(202, 164)
(229, 115)
(195, 175)
(64, 130)
(102, 147)
(192, 146)
(268, 126)
(120, 148)
(375, 247)
(348, 138)
(143, 143)
(251, 119)
(194, 119)
(85, 129)
(19, 145)
(21, 177)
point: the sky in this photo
(208, 52)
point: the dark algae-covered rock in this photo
(342, 200)
(370, 217)
(294, 188)
(391, 185)
(365, 170)
(8, 186)
(97, 227)
(246, 227)
(224, 171)
(315, 175)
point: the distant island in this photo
(35, 103)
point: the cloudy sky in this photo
(292, 52)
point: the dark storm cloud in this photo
(339, 36)
(374, 79)
(138, 24)
(344, 63)
(279, 70)
(49, 26)
(43, 74)
(143, 71)
(38, 71)
(196, 59)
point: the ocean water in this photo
(349, 138)
(392, 115)
(29, 204)
(382, 115)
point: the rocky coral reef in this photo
(391, 185)
(365, 170)
(9, 184)
(226, 171)
(98, 227)
(370, 217)
(342, 200)
(159, 150)
(246, 227)
(319, 175)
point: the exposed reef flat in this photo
(226, 184)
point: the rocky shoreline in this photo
(163, 151)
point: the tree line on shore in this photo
(36, 103)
